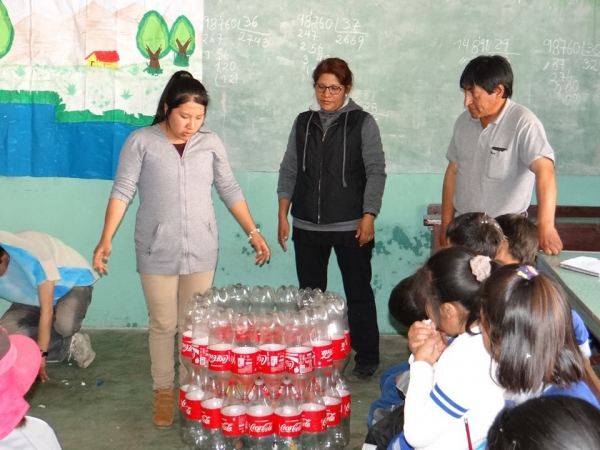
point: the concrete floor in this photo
(109, 404)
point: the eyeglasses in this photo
(335, 89)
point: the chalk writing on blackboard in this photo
(566, 58)
(479, 46)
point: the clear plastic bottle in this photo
(260, 420)
(185, 431)
(337, 310)
(211, 418)
(245, 353)
(233, 420)
(288, 422)
(346, 409)
(220, 344)
(271, 352)
(298, 354)
(320, 340)
(195, 436)
(285, 298)
(333, 405)
(262, 300)
(314, 420)
(189, 313)
(239, 296)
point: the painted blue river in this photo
(33, 144)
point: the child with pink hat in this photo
(19, 365)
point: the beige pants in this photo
(166, 298)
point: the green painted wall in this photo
(73, 210)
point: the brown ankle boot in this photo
(163, 407)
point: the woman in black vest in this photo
(332, 176)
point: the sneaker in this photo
(364, 372)
(81, 350)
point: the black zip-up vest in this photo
(319, 195)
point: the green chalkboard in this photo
(407, 57)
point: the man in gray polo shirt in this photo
(498, 151)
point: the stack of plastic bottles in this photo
(266, 370)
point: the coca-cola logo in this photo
(263, 359)
(206, 419)
(186, 347)
(306, 421)
(330, 416)
(346, 408)
(266, 427)
(227, 426)
(290, 428)
(217, 359)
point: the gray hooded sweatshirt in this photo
(175, 229)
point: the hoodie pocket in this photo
(154, 239)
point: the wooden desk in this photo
(583, 290)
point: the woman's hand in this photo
(431, 349)
(419, 332)
(101, 254)
(283, 232)
(263, 252)
(366, 229)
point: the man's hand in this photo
(42, 372)
(550, 241)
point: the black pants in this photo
(313, 249)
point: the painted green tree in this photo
(7, 32)
(153, 40)
(182, 39)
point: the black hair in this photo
(521, 233)
(405, 303)
(451, 279)
(527, 319)
(476, 231)
(553, 422)
(181, 88)
(2, 251)
(487, 72)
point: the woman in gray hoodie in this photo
(174, 163)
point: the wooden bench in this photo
(578, 226)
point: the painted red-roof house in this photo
(105, 59)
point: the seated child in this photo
(521, 244)
(552, 422)
(448, 385)
(527, 329)
(406, 309)
(476, 231)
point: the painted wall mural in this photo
(77, 76)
